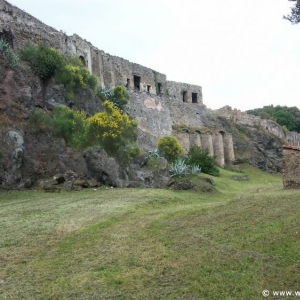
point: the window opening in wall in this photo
(128, 83)
(184, 96)
(82, 60)
(158, 88)
(148, 88)
(137, 82)
(194, 98)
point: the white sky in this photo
(241, 52)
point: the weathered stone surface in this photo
(240, 178)
(155, 103)
(183, 184)
(101, 167)
(11, 158)
(138, 177)
(291, 167)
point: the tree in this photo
(44, 62)
(294, 17)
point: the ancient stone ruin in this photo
(291, 167)
(160, 107)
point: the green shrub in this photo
(43, 60)
(40, 120)
(72, 125)
(74, 76)
(154, 163)
(8, 53)
(127, 153)
(201, 158)
(118, 96)
(169, 148)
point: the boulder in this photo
(183, 184)
(101, 167)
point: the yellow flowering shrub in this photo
(75, 76)
(112, 128)
(169, 148)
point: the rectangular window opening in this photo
(184, 96)
(127, 83)
(148, 88)
(137, 82)
(194, 98)
(158, 88)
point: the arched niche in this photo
(185, 130)
(82, 59)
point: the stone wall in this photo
(111, 70)
(218, 143)
(291, 167)
(292, 138)
(184, 92)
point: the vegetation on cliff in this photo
(9, 54)
(46, 62)
(288, 117)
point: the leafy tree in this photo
(284, 118)
(169, 148)
(201, 158)
(283, 115)
(44, 61)
(294, 17)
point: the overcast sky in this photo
(241, 52)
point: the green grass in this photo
(152, 244)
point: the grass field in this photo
(152, 244)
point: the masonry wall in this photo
(239, 117)
(183, 92)
(291, 168)
(111, 70)
(218, 144)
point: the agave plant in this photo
(195, 169)
(9, 54)
(153, 153)
(178, 168)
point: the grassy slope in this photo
(151, 244)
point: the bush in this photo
(112, 128)
(201, 158)
(43, 60)
(72, 125)
(127, 153)
(154, 163)
(169, 148)
(8, 53)
(118, 96)
(40, 120)
(75, 77)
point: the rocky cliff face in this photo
(27, 155)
